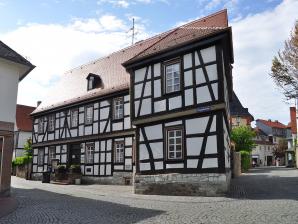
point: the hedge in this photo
(19, 161)
(245, 160)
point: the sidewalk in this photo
(7, 205)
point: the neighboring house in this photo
(158, 109)
(23, 129)
(262, 153)
(13, 68)
(292, 138)
(239, 115)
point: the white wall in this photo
(23, 137)
(9, 78)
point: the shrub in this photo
(75, 168)
(245, 160)
(61, 169)
(20, 161)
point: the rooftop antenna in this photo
(133, 31)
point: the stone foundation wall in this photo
(118, 178)
(36, 176)
(204, 184)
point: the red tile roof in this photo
(273, 124)
(73, 87)
(23, 119)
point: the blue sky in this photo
(58, 35)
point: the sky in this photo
(59, 35)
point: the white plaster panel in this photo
(157, 70)
(96, 157)
(104, 113)
(141, 136)
(58, 149)
(109, 157)
(128, 162)
(51, 136)
(158, 165)
(213, 125)
(193, 146)
(210, 163)
(208, 54)
(145, 166)
(147, 91)
(102, 157)
(126, 98)
(138, 90)
(187, 59)
(127, 123)
(35, 168)
(175, 102)
(96, 167)
(160, 106)
(82, 147)
(154, 132)
(88, 130)
(143, 152)
(188, 97)
(40, 169)
(73, 132)
(63, 158)
(196, 125)
(95, 115)
(102, 146)
(102, 170)
(96, 105)
(146, 107)
(81, 130)
(137, 104)
(212, 72)
(128, 152)
(200, 77)
(173, 123)
(95, 128)
(188, 78)
(157, 88)
(56, 123)
(140, 74)
(127, 109)
(211, 146)
(108, 169)
(35, 159)
(128, 141)
(118, 167)
(81, 109)
(197, 61)
(175, 165)
(96, 146)
(192, 163)
(35, 151)
(109, 145)
(157, 150)
(102, 125)
(81, 118)
(215, 90)
(117, 126)
(203, 94)
(104, 103)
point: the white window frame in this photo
(52, 154)
(89, 153)
(88, 117)
(74, 119)
(119, 148)
(118, 112)
(174, 144)
(40, 125)
(40, 157)
(172, 78)
(51, 123)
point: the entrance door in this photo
(75, 154)
(269, 160)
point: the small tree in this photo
(284, 70)
(243, 136)
(280, 149)
(28, 148)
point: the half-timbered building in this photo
(157, 111)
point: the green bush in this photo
(75, 168)
(245, 160)
(20, 161)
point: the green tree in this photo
(280, 149)
(243, 136)
(28, 148)
(284, 69)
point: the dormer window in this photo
(93, 81)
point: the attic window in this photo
(93, 81)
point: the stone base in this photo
(118, 178)
(36, 176)
(202, 184)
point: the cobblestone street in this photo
(265, 195)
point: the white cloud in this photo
(117, 3)
(56, 48)
(257, 38)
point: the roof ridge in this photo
(166, 33)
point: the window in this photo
(90, 83)
(89, 152)
(40, 125)
(40, 157)
(118, 108)
(51, 124)
(174, 143)
(74, 118)
(52, 154)
(119, 152)
(89, 115)
(172, 77)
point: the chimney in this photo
(38, 103)
(293, 120)
(269, 120)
